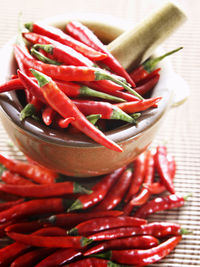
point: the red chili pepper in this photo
(117, 192)
(100, 190)
(92, 262)
(147, 85)
(143, 257)
(161, 162)
(99, 224)
(143, 196)
(107, 110)
(32, 257)
(8, 197)
(38, 206)
(3, 227)
(7, 205)
(60, 257)
(11, 85)
(69, 220)
(158, 187)
(149, 76)
(24, 227)
(60, 36)
(142, 242)
(159, 204)
(157, 229)
(85, 35)
(31, 171)
(64, 123)
(135, 106)
(45, 190)
(148, 66)
(65, 107)
(14, 179)
(48, 115)
(50, 241)
(137, 177)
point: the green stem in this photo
(29, 26)
(73, 232)
(93, 118)
(80, 189)
(86, 91)
(151, 63)
(42, 58)
(46, 47)
(106, 255)
(27, 111)
(41, 78)
(2, 169)
(187, 196)
(77, 205)
(118, 114)
(184, 231)
(103, 75)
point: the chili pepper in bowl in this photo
(60, 36)
(148, 66)
(65, 107)
(85, 35)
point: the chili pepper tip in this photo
(80, 189)
(75, 206)
(41, 78)
(27, 111)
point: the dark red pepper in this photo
(148, 85)
(14, 179)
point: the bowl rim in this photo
(11, 107)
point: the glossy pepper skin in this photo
(99, 224)
(144, 257)
(100, 190)
(65, 107)
(85, 35)
(14, 179)
(60, 36)
(156, 229)
(159, 204)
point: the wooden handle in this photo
(136, 45)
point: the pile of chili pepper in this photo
(71, 80)
(48, 220)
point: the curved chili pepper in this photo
(104, 223)
(50, 241)
(149, 76)
(100, 190)
(85, 35)
(142, 242)
(29, 170)
(107, 110)
(135, 106)
(11, 85)
(157, 229)
(109, 86)
(7, 205)
(161, 162)
(148, 85)
(60, 36)
(65, 107)
(48, 115)
(45, 190)
(38, 206)
(60, 257)
(158, 187)
(14, 179)
(144, 194)
(64, 123)
(137, 177)
(69, 220)
(93, 262)
(159, 204)
(143, 257)
(147, 67)
(117, 192)
(31, 258)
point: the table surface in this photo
(181, 129)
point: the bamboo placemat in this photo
(181, 128)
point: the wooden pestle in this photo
(136, 45)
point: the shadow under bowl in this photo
(77, 155)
